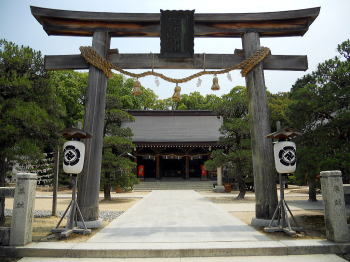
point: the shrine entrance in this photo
(172, 167)
(177, 30)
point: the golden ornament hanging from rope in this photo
(136, 91)
(177, 96)
(215, 85)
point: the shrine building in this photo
(173, 145)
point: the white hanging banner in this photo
(285, 157)
(73, 157)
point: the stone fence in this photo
(20, 232)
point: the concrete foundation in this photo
(258, 222)
(219, 189)
(91, 224)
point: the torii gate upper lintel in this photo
(248, 26)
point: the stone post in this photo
(334, 206)
(219, 188)
(219, 176)
(23, 209)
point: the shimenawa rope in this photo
(93, 58)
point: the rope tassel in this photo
(136, 91)
(177, 96)
(215, 85)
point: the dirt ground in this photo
(312, 221)
(120, 203)
(42, 226)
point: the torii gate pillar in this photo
(89, 185)
(262, 154)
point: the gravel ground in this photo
(105, 215)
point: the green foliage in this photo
(117, 168)
(235, 129)
(278, 107)
(120, 91)
(30, 110)
(320, 109)
(70, 87)
(193, 101)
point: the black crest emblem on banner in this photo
(287, 156)
(176, 34)
(71, 155)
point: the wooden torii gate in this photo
(250, 27)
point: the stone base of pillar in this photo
(259, 222)
(91, 224)
(219, 189)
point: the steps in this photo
(166, 250)
(175, 185)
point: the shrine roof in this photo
(267, 24)
(172, 113)
(195, 126)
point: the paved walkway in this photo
(181, 216)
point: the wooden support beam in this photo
(145, 61)
(269, 24)
(89, 184)
(262, 154)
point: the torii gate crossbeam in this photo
(248, 26)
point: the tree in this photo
(117, 168)
(278, 106)
(70, 87)
(236, 138)
(126, 100)
(30, 110)
(192, 101)
(320, 109)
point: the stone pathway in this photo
(181, 216)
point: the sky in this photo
(329, 29)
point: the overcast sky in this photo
(330, 28)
